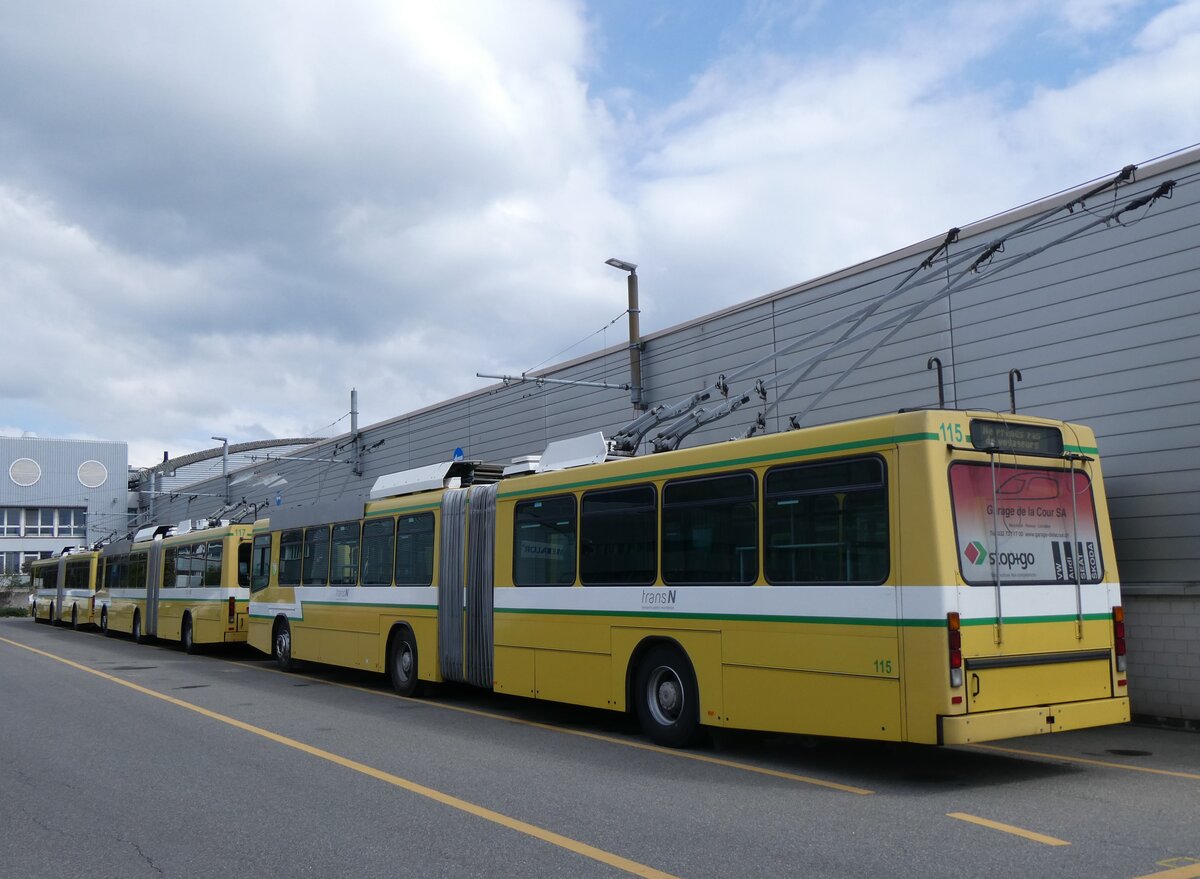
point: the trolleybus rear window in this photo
(1029, 525)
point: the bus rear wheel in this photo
(136, 631)
(186, 639)
(666, 697)
(75, 618)
(104, 622)
(282, 646)
(402, 663)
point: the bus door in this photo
(154, 573)
(1029, 548)
(466, 579)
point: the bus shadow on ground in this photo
(874, 765)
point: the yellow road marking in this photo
(503, 820)
(1007, 828)
(671, 752)
(1106, 763)
(1187, 871)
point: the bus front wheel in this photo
(75, 618)
(666, 697)
(402, 663)
(104, 622)
(136, 631)
(282, 644)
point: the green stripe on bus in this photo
(1057, 618)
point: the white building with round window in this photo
(56, 493)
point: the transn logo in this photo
(975, 552)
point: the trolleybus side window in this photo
(243, 561)
(77, 575)
(617, 531)
(414, 550)
(170, 561)
(544, 542)
(189, 566)
(137, 570)
(378, 540)
(290, 546)
(212, 567)
(316, 556)
(710, 530)
(827, 523)
(46, 576)
(260, 571)
(343, 568)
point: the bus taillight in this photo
(954, 636)
(1118, 616)
(232, 610)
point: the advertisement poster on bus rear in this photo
(1029, 525)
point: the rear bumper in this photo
(1015, 722)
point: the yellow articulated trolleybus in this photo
(928, 576)
(187, 583)
(65, 587)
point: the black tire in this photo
(75, 617)
(187, 639)
(281, 646)
(136, 631)
(104, 622)
(666, 697)
(402, 663)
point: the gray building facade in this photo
(56, 493)
(1096, 306)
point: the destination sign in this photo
(1032, 439)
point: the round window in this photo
(25, 471)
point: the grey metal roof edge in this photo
(234, 448)
(60, 439)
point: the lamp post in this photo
(635, 340)
(224, 441)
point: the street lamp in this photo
(635, 341)
(224, 441)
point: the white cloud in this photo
(218, 220)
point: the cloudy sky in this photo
(217, 218)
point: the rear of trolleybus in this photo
(79, 587)
(1012, 606)
(204, 593)
(43, 579)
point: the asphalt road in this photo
(128, 761)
